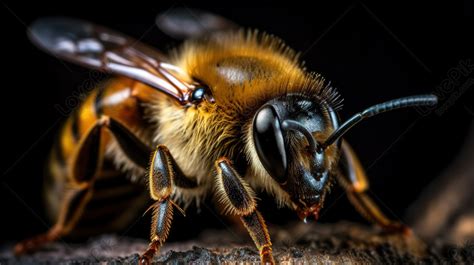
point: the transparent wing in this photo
(182, 23)
(102, 49)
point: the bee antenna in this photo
(413, 101)
(296, 126)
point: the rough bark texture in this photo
(341, 243)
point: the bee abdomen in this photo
(115, 199)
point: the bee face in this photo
(285, 130)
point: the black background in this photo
(370, 51)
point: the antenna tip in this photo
(434, 99)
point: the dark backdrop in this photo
(370, 51)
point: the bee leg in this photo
(163, 173)
(239, 199)
(86, 162)
(73, 203)
(354, 180)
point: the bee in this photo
(230, 113)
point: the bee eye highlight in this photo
(198, 94)
(269, 142)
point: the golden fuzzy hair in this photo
(243, 70)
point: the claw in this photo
(266, 256)
(144, 260)
(147, 257)
(398, 228)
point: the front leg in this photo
(238, 199)
(164, 175)
(354, 180)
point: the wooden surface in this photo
(341, 243)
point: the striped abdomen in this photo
(116, 200)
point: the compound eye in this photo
(269, 142)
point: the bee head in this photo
(285, 134)
(298, 139)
